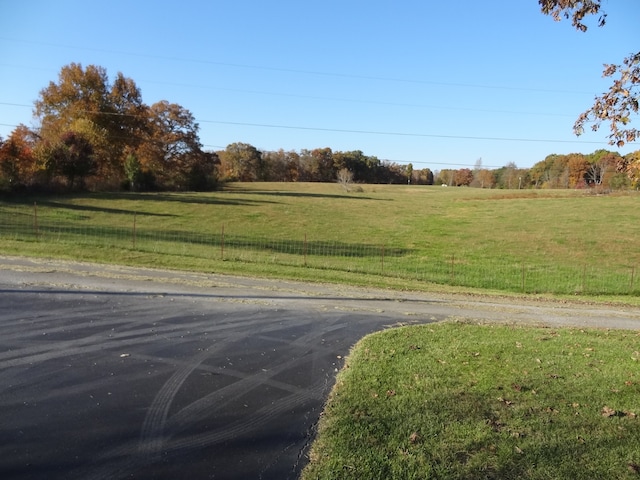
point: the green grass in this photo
(463, 401)
(535, 242)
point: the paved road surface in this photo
(113, 373)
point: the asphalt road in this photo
(113, 373)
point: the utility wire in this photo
(345, 100)
(338, 130)
(296, 71)
(374, 132)
(362, 102)
(399, 134)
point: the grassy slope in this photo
(462, 401)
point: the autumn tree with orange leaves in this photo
(18, 163)
(131, 144)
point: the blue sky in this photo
(437, 84)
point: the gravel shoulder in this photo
(403, 306)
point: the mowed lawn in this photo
(556, 241)
(469, 401)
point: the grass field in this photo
(463, 401)
(534, 241)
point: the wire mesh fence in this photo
(499, 272)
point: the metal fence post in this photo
(134, 229)
(222, 244)
(35, 220)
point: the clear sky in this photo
(438, 84)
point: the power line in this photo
(322, 129)
(15, 104)
(346, 100)
(362, 102)
(399, 134)
(299, 71)
(372, 132)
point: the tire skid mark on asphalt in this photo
(212, 402)
(66, 348)
(36, 329)
(16, 316)
(11, 378)
(97, 341)
(260, 417)
(61, 350)
(151, 438)
(176, 423)
(204, 406)
(229, 372)
(125, 462)
(152, 432)
(17, 374)
(85, 387)
(36, 333)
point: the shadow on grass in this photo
(59, 202)
(194, 198)
(170, 240)
(311, 248)
(92, 208)
(248, 191)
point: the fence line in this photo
(456, 269)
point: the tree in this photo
(622, 100)
(171, 148)
(409, 173)
(602, 165)
(282, 166)
(424, 176)
(129, 122)
(18, 163)
(483, 179)
(323, 169)
(345, 177)
(132, 171)
(202, 174)
(79, 93)
(111, 117)
(242, 162)
(463, 177)
(630, 166)
(72, 157)
(446, 177)
(509, 176)
(577, 169)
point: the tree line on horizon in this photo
(97, 135)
